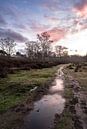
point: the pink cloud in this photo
(82, 12)
(37, 27)
(57, 34)
(52, 19)
(81, 8)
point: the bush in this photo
(3, 72)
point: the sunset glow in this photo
(64, 20)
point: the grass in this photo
(15, 87)
(65, 122)
(80, 76)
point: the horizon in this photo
(66, 22)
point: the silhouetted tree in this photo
(33, 49)
(45, 43)
(7, 45)
(3, 53)
(61, 51)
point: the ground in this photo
(74, 115)
(17, 96)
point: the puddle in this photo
(57, 86)
(43, 114)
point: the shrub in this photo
(3, 72)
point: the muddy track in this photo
(78, 105)
(50, 105)
(74, 115)
(37, 99)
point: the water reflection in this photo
(44, 112)
(42, 117)
(58, 86)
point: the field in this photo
(16, 87)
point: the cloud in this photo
(57, 34)
(51, 18)
(20, 26)
(12, 34)
(2, 21)
(51, 5)
(11, 12)
(80, 8)
(78, 25)
(6, 11)
(37, 27)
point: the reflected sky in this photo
(43, 114)
(42, 117)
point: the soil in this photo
(79, 103)
(74, 115)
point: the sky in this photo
(64, 20)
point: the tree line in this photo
(34, 49)
(39, 54)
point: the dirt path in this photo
(50, 108)
(46, 101)
(50, 105)
(80, 120)
(74, 115)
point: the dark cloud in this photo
(6, 11)
(20, 26)
(12, 34)
(2, 21)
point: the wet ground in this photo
(74, 115)
(45, 110)
(80, 106)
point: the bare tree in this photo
(61, 51)
(2, 53)
(40, 48)
(44, 40)
(7, 45)
(33, 49)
